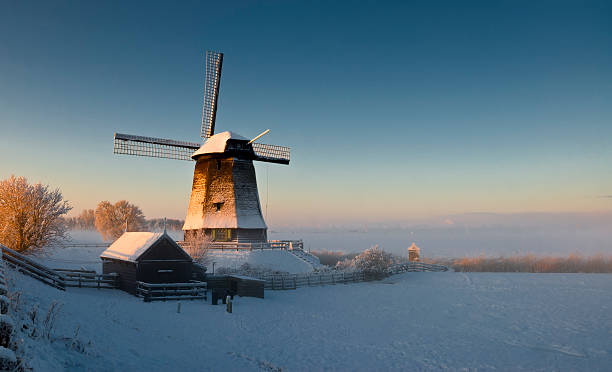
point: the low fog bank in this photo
(474, 234)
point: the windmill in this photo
(224, 200)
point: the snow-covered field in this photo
(415, 321)
(266, 259)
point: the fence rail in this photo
(32, 268)
(89, 279)
(171, 291)
(293, 281)
(58, 278)
(416, 266)
(250, 246)
(81, 245)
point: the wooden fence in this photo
(57, 278)
(171, 291)
(293, 281)
(88, 279)
(415, 266)
(80, 245)
(250, 246)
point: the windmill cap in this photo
(217, 144)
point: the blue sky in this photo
(393, 111)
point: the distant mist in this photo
(470, 234)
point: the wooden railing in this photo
(32, 268)
(293, 281)
(171, 291)
(88, 279)
(415, 266)
(250, 246)
(80, 245)
(57, 278)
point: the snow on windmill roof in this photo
(216, 144)
(131, 245)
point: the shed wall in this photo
(127, 273)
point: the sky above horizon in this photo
(393, 111)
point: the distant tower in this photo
(413, 253)
(224, 200)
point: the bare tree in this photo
(31, 216)
(197, 245)
(114, 219)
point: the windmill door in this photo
(221, 235)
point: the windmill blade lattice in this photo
(214, 62)
(271, 153)
(153, 147)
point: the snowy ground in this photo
(267, 259)
(415, 321)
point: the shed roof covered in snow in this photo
(132, 245)
(217, 143)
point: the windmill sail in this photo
(153, 147)
(271, 153)
(214, 61)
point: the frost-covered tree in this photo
(373, 260)
(112, 220)
(84, 221)
(197, 245)
(31, 216)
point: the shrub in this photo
(373, 260)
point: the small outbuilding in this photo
(243, 286)
(146, 257)
(414, 253)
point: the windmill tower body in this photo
(224, 200)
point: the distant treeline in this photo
(530, 264)
(520, 264)
(87, 221)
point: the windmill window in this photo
(218, 206)
(218, 164)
